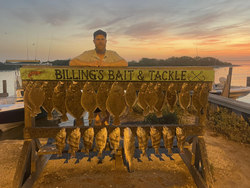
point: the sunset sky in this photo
(63, 29)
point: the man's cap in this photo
(100, 32)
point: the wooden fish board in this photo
(34, 156)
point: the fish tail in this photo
(37, 110)
(87, 152)
(103, 114)
(144, 153)
(151, 110)
(130, 109)
(145, 111)
(99, 154)
(59, 154)
(157, 151)
(172, 109)
(64, 118)
(185, 111)
(79, 122)
(130, 166)
(33, 114)
(49, 116)
(91, 116)
(159, 114)
(113, 151)
(116, 121)
(170, 151)
(73, 154)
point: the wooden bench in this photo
(34, 155)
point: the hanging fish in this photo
(196, 99)
(114, 139)
(37, 96)
(116, 103)
(171, 97)
(168, 139)
(204, 95)
(181, 139)
(155, 136)
(184, 97)
(74, 141)
(151, 97)
(130, 96)
(26, 99)
(129, 146)
(101, 140)
(101, 98)
(161, 100)
(142, 138)
(141, 99)
(60, 141)
(73, 103)
(48, 103)
(88, 100)
(88, 138)
(58, 99)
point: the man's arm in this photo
(76, 62)
(121, 63)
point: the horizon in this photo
(60, 30)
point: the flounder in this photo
(26, 99)
(88, 100)
(60, 141)
(74, 141)
(58, 99)
(129, 146)
(151, 97)
(184, 97)
(141, 99)
(114, 139)
(130, 96)
(171, 97)
(48, 103)
(101, 98)
(168, 139)
(142, 138)
(37, 96)
(155, 136)
(116, 103)
(88, 138)
(196, 99)
(101, 140)
(181, 139)
(161, 100)
(73, 103)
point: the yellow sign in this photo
(123, 74)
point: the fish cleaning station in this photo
(75, 90)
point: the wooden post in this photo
(248, 81)
(226, 89)
(4, 94)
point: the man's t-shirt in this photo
(91, 56)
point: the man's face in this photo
(100, 42)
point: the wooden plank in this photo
(41, 163)
(205, 163)
(22, 164)
(44, 132)
(33, 156)
(229, 103)
(193, 171)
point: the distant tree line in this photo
(172, 61)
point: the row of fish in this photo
(114, 140)
(74, 101)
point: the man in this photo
(99, 57)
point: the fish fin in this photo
(103, 114)
(116, 121)
(79, 122)
(64, 118)
(157, 151)
(99, 154)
